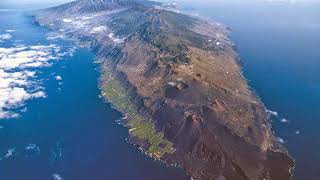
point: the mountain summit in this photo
(91, 6)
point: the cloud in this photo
(10, 30)
(98, 29)
(5, 36)
(115, 39)
(54, 36)
(58, 78)
(67, 20)
(18, 66)
(21, 56)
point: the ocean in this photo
(53, 124)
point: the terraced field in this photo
(140, 127)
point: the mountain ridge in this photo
(179, 82)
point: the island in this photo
(178, 81)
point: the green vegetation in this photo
(140, 127)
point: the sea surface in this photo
(279, 45)
(53, 124)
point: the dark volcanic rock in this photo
(184, 74)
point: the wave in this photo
(280, 140)
(10, 152)
(31, 150)
(57, 177)
(274, 113)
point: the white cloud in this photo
(79, 24)
(98, 29)
(5, 36)
(18, 66)
(39, 94)
(86, 17)
(67, 20)
(19, 57)
(10, 30)
(58, 78)
(115, 39)
(284, 120)
(55, 36)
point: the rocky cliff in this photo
(179, 82)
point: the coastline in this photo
(122, 109)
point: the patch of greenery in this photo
(140, 127)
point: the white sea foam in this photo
(31, 150)
(10, 152)
(280, 140)
(11, 30)
(57, 177)
(274, 113)
(284, 120)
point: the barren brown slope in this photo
(184, 80)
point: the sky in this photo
(27, 3)
(36, 4)
(32, 1)
(63, 1)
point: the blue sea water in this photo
(278, 44)
(69, 133)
